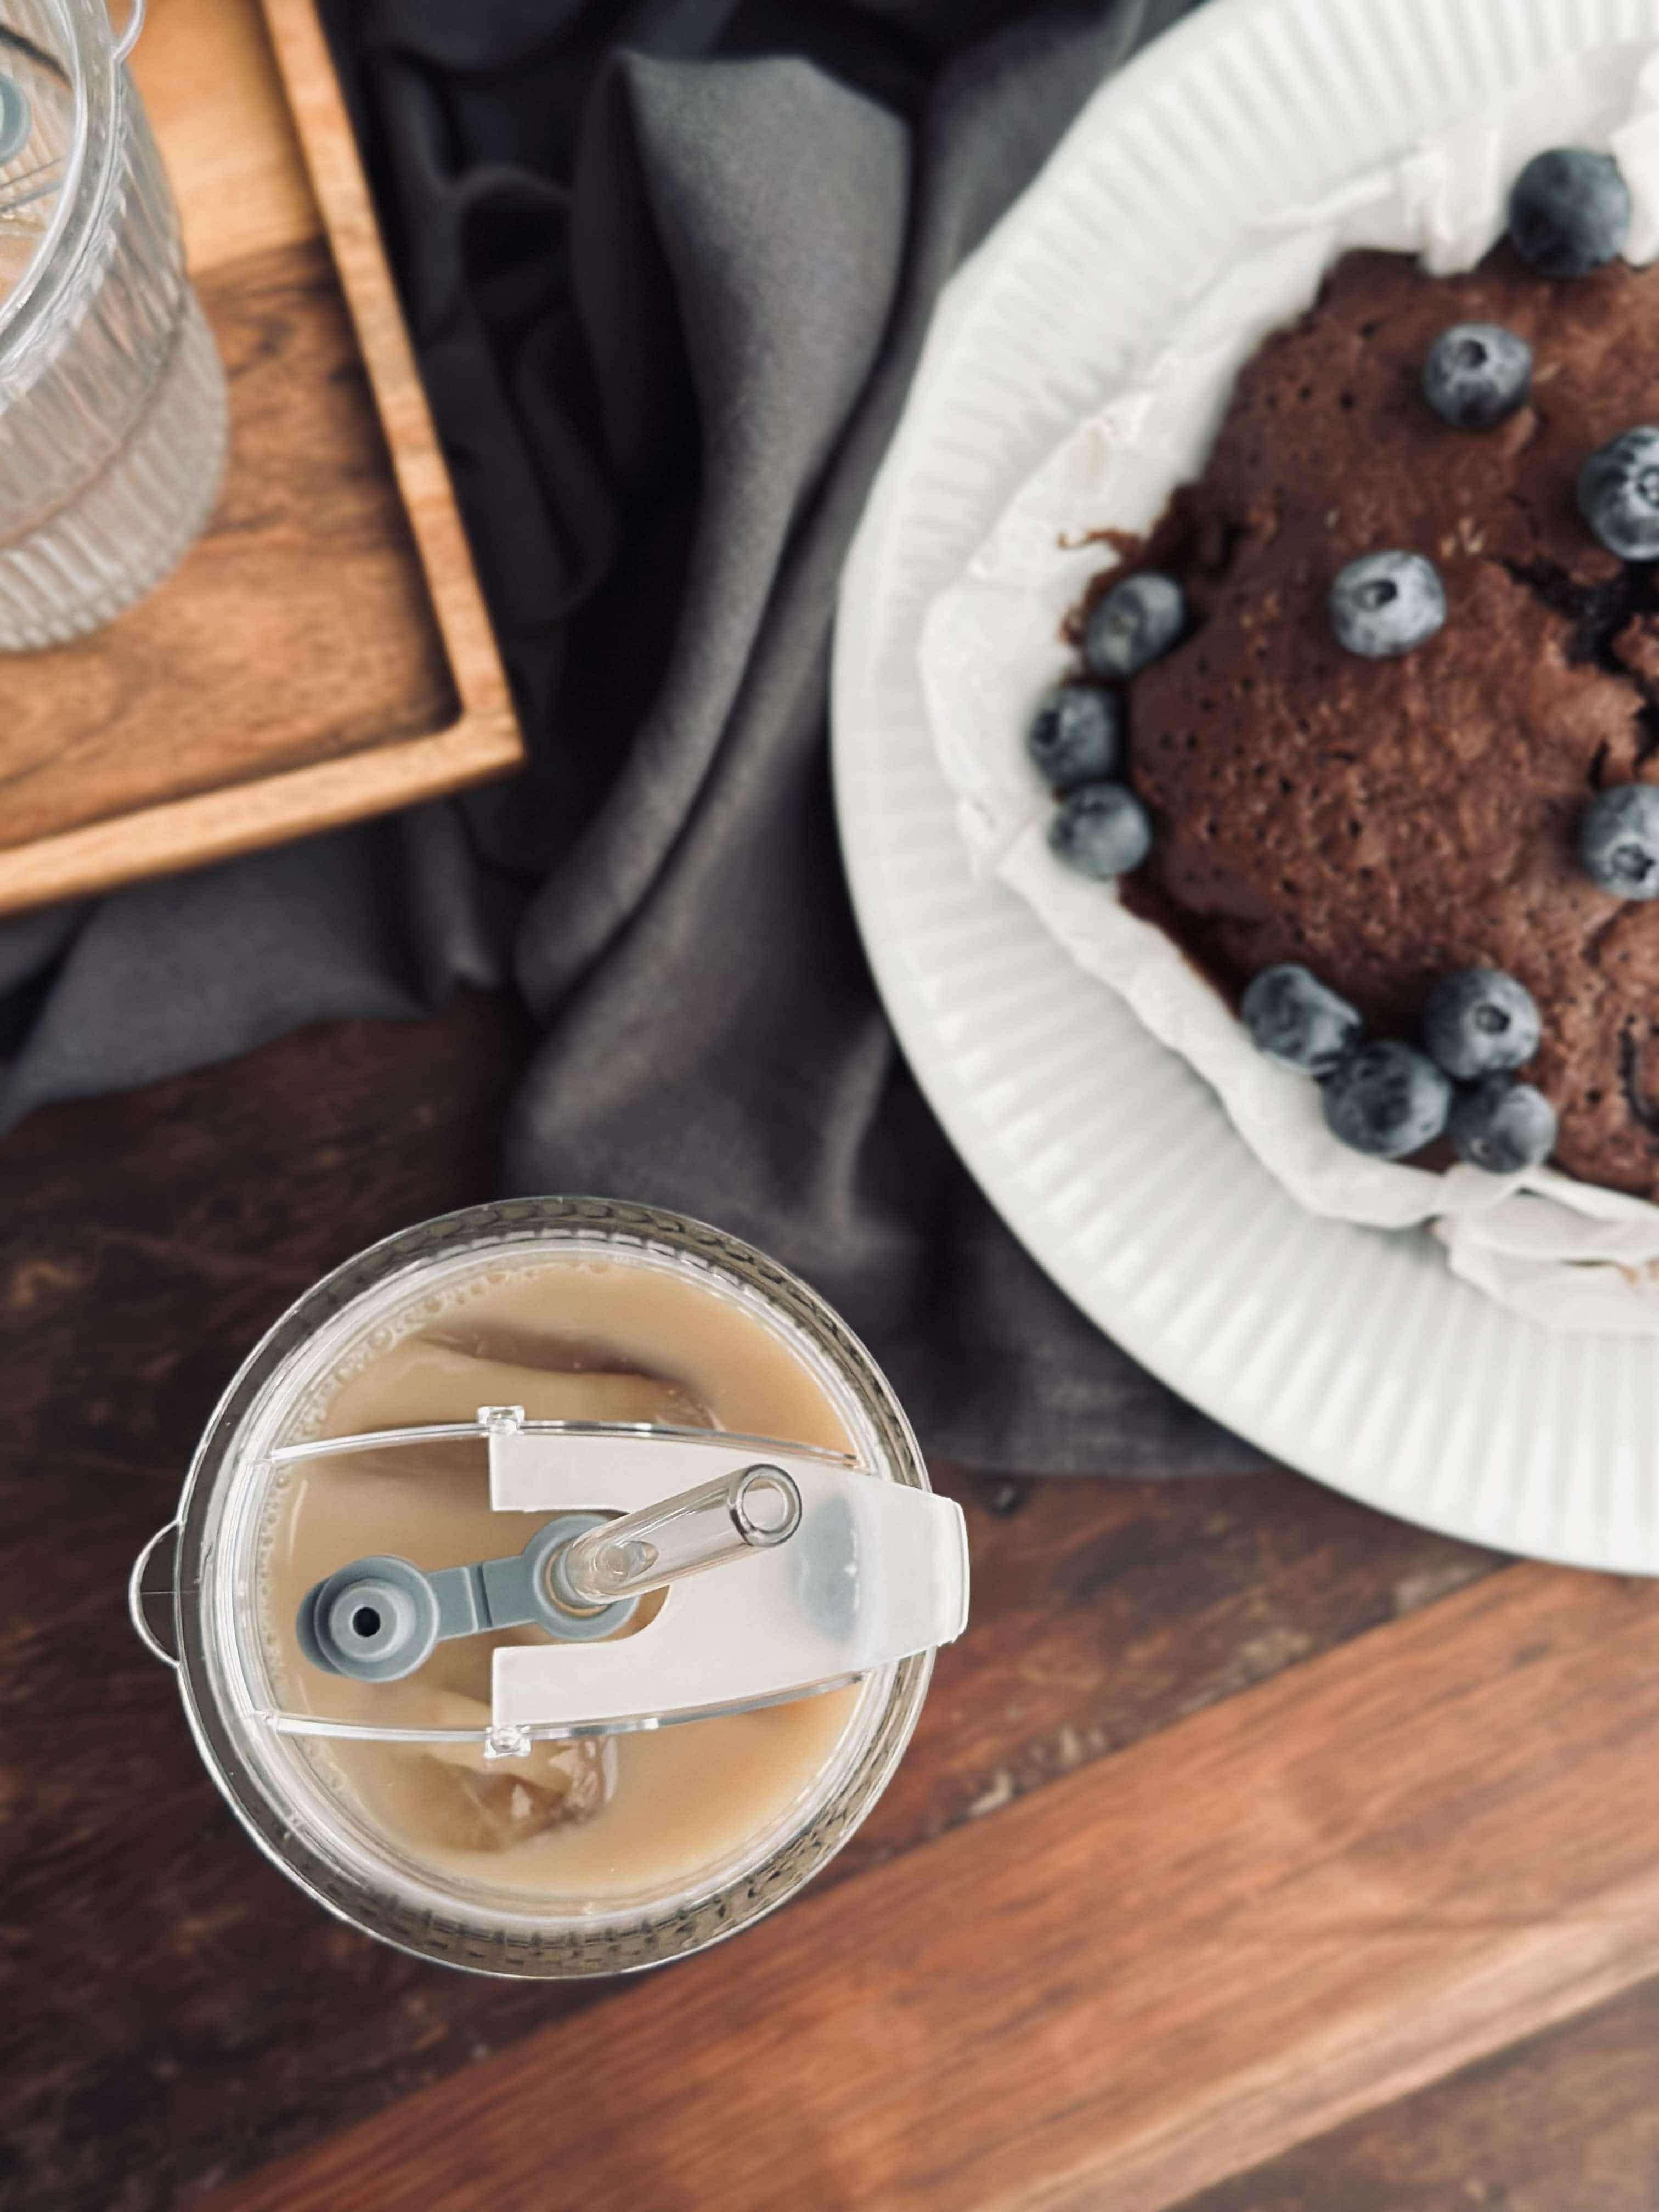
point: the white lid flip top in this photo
(831, 1572)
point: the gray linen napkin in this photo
(668, 269)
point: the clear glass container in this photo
(113, 407)
(196, 1592)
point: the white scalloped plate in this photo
(1352, 1354)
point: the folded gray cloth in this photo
(668, 269)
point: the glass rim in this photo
(35, 316)
(503, 1938)
(30, 289)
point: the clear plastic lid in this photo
(704, 1329)
(783, 1570)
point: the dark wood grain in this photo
(162, 1984)
(1566, 2121)
(1180, 1959)
(172, 2009)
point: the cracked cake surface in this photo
(1385, 822)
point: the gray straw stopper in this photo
(380, 1618)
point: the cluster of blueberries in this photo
(1389, 1099)
(1569, 213)
(1076, 741)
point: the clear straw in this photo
(708, 1526)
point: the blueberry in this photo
(1502, 1126)
(1476, 373)
(1384, 604)
(1570, 211)
(1075, 736)
(1295, 1020)
(1387, 1099)
(1619, 493)
(1137, 620)
(1101, 830)
(1479, 1022)
(1618, 840)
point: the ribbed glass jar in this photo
(113, 410)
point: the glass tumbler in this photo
(112, 411)
(196, 1600)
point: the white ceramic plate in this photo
(1350, 1354)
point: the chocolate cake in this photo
(1386, 821)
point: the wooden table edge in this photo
(216, 825)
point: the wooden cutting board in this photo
(322, 653)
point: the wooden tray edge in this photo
(215, 825)
(354, 238)
(484, 740)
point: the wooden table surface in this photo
(1255, 1853)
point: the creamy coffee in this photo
(579, 1336)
